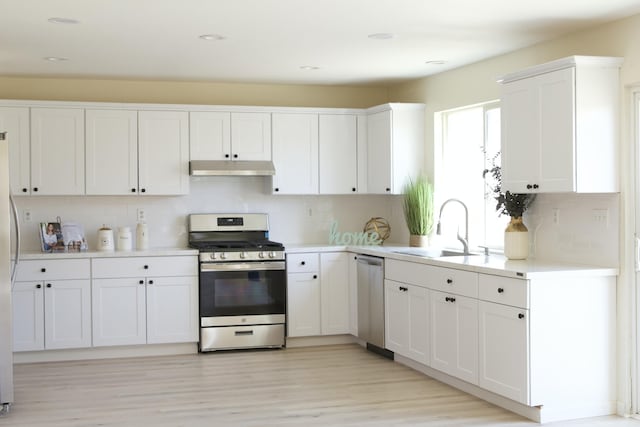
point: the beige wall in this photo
(173, 92)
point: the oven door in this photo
(242, 289)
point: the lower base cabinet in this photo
(407, 320)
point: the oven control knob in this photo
(243, 255)
(272, 254)
(223, 255)
(261, 254)
(212, 255)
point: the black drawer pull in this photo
(48, 285)
(315, 276)
(43, 270)
(302, 263)
(141, 282)
(151, 282)
(449, 281)
(38, 286)
(500, 290)
(520, 316)
(146, 267)
(403, 289)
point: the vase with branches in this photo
(516, 238)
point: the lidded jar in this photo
(142, 236)
(125, 241)
(105, 239)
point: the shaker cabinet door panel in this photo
(67, 314)
(119, 311)
(28, 316)
(15, 121)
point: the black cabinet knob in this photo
(403, 288)
(24, 190)
(141, 282)
(520, 316)
(452, 299)
(449, 281)
(353, 189)
(235, 156)
(226, 156)
(38, 286)
(48, 285)
(302, 263)
(35, 188)
(133, 190)
(151, 282)
(447, 299)
(387, 189)
(500, 290)
(315, 276)
(276, 189)
(43, 270)
(146, 267)
(143, 190)
(535, 186)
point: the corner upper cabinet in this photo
(560, 127)
(295, 153)
(395, 146)
(57, 151)
(15, 121)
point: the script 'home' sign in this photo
(355, 238)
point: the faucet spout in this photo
(464, 240)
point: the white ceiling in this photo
(267, 41)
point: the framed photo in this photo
(51, 237)
(73, 237)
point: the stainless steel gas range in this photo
(243, 283)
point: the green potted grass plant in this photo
(418, 209)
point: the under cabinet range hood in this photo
(231, 168)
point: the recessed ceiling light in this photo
(63, 21)
(381, 36)
(436, 62)
(309, 67)
(55, 59)
(212, 37)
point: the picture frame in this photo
(51, 237)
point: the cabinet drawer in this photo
(144, 266)
(504, 290)
(50, 269)
(303, 263)
(410, 272)
(454, 281)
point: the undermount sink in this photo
(431, 252)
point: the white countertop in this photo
(492, 264)
(98, 254)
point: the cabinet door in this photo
(396, 315)
(418, 308)
(57, 151)
(295, 153)
(303, 304)
(338, 154)
(379, 153)
(454, 335)
(250, 136)
(119, 311)
(67, 314)
(334, 293)
(504, 350)
(163, 150)
(112, 152)
(209, 135)
(28, 316)
(172, 309)
(15, 121)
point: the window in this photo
(469, 144)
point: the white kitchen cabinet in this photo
(112, 152)
(407, 320)
(504, 350)
(52, 305)
(209, 135)
(353, 294)
(395, 146)
(454, 335)
(163, 152)
(560, 127)
(334, 293)
(295, 153)
(57, 151)
(145, 300)
(15, 121)
(338, 153)
(250, 136)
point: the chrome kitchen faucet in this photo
(465, 240)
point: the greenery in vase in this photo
(418, 205)
(512, 204)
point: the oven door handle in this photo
(242, 266)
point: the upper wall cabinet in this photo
(395, 146)
(338, 153)
(560, 127)
(15, 121)
(295, 153)
(131, 152)
(57, 151)
(230, 136)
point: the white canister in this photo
(105, 239)
(125, 242)
(142, 236)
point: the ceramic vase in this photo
(516, 239)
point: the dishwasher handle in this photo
(370, 260)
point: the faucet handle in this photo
(486, 250)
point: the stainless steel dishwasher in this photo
(371, 303)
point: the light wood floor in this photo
(322, 386)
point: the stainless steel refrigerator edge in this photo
(371, 300)
(6, 352)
